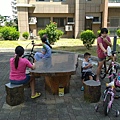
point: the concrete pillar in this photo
(51, 19)
(23, 20)
(79, 16)
(105, 13)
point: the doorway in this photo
(88, 22)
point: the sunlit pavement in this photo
(71, 106)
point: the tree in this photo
(10, 23)
(52, 32)
(2, 19)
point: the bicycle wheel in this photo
(29, 57)
(103, 71)
(106, 104)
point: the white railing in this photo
(114, 1)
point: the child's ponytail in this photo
(44, 39)
(16, 61)
(19, 51)
(48, 44)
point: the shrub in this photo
(52, 32)
(59, 34)
(5, 31)
(88, 38)
(0, 35)
(98, 32)
(9, 33)
(25, 35)
(118, 32)
(15, 35)
(41, 32)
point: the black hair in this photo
(86, 54)
(19, 51)
(44, 39)
(104, 30)
(45, 35)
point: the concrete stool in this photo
(15, 94)
(92, 91)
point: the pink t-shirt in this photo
(100, 53)
(19, 73)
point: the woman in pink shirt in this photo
(18, 67)
(103, 41)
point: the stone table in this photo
(57, 71)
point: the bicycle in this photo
(30, 55)
(109, 70)
(109, 92)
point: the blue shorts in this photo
(25, 81)
(38, 56)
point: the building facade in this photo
(14, 8)
(71, 16)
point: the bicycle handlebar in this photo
(32, 42)
(114, 52)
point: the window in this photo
(60, 21)
(96, 19)
(88, 0)
(114, 22)
(70, 20)
(42, 22)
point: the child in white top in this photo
(86, 68)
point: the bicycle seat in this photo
(111, 84)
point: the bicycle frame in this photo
(105, 71)
(31, 53)
(111, 86)
(111, 92)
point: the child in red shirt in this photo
(103, 41)
(18, 67)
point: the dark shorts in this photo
(25, 81)
(101, 59)
(86, 74)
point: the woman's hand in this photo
(33, 67)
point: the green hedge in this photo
(118, 32)
(88, 38)
(25, 35)
(9, 33)
(52, 32)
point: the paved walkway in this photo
(50, 107)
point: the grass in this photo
(72, 45)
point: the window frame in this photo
(60, 21)
(42, 25)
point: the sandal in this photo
(36, 95)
